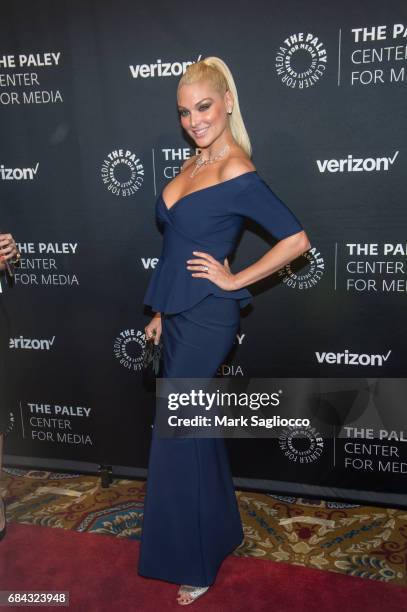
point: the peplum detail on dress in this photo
(172, 289)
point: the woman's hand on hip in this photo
(206, 266)
(153, 329)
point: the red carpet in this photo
(100, 574)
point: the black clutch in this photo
(152, 359)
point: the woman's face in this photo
(203, 112)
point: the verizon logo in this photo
(347, 358)
(149, 262)
(18, 174)
(160, 69)
(31, 343)
(356, 164)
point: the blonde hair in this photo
(218, 74)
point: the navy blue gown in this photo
(191, 518)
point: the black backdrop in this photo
(89, 137)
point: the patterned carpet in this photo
(351, 539)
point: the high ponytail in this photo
(217, 72)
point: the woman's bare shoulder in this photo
(236, 165)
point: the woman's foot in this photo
(187, 594)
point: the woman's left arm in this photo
(277, 257)
(258, 202)
(280, 255)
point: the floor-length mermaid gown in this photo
(191, 518)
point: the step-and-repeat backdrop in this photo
(90, 135)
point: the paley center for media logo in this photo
(128, 348)
(299, 276)
(122, 172)
(301, 60)
(301, 444)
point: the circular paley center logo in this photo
(128, 348)
(305, 271)
(122, 172)
(301, 444)
(301, 60)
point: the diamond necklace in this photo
(199, 162)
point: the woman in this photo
(191, 518)
(8, 253)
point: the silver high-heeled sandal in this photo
(191, 591)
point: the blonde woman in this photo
(191, 518)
